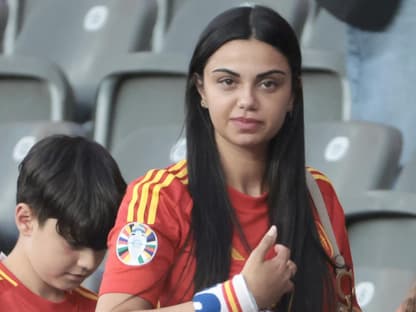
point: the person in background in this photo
(68, 193)
(190, 237)
(380, 62)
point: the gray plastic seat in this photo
(362, 205)
(31, 89)
(149, 147)
(356, 156)
(192, 16)
(3, 21)
(143, 90)
(382, 229)
(406, 180)
(82, 35)
(15, 141)
(323, 31)
(18, 11)
(325, 89)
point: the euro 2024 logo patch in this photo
(136, 244)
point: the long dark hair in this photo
(213, 217)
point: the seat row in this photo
(69, 47)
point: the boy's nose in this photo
(89, 259)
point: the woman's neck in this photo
(244, 170)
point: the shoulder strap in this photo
(316, 195)
(342, 273)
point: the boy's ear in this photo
(24, 219)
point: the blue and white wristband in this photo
(231, 296)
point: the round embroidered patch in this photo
(136, 244)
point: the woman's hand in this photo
(269, 280)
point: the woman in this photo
(245, 171)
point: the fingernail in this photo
(272, 231)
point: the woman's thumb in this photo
(268, 241)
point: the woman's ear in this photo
(199, 83)
(25, 219)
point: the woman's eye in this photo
(227, 82)
(268, 84)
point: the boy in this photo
(68, 193)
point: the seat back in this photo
(16, 139)
(325, 91)
(81, 35)
(149, 147)
(356, 156)
(146, 90)
(406, 180)
(324, 32)
(192, 16)
(3, 21)
(384, 259)
(31, 89)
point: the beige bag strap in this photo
(341, 270)
(318, 200)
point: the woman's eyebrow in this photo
(271, 72)
(225, 70)
(258, 76)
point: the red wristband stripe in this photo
(230, 297)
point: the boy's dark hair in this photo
(75, 181)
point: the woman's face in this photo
(247, 89)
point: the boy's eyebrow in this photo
(258, 76)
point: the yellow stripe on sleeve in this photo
(133, 201)
(182, 173)
(155, 198)
(177, 166)
(145, 195)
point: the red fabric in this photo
(167, 278)
(15, 297)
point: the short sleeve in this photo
(151, 226)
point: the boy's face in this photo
(55, 262)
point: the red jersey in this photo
(15, 297)
(148, 254)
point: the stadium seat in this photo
(190, 18)
(406, 180)
(3, 21)
(361, 205)
(149, 147)
(323, 31)
(31, 89)
(325, 90)
(356, 156)
(82, 35)
(145, 89)
(382, 228)
(15, 140)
